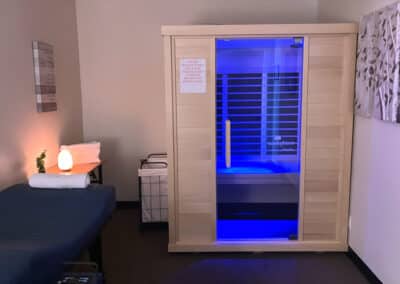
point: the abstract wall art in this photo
(45, 79)
(378, 65)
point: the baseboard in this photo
(127, 204)
(363, 267)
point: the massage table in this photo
(41, 229)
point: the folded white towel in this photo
(59, 181)
(84, 153)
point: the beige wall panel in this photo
(321, 175)
(324, 185)
(326, 171)
(193, 188)
(188, 137)
(320, 215)
(325, 80)
(195, 147)
(193, 116)
(323, 143)
(193, 100)
(327, 45)
(331, 164)
(195, 228)
(322, 227)
(170, 124)
(323, 115)
(188, 47)
(347, 117)
(330, 132)
(322, 153)
(323, 97)
(334, 62)
(321, 197)
(194, 205)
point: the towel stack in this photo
(59, 181)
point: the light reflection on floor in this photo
(255, 229)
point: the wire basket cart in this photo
(153, 190)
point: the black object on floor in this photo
(132, 256)
(82, 278)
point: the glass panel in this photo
(259, 83)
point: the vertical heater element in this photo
(227, 143)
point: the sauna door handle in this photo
(227, 143)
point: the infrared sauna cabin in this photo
(260, 124)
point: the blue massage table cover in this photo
(40, 229)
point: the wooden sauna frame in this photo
(326, 137)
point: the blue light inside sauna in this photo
(255, 229)
(251, 167)
(244, 170)
(243, 68)
(258, 88)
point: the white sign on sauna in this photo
(193, 76)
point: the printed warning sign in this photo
(193, 76)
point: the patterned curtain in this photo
(378, 62)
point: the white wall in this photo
(122, 70)
(24, 132)
(375, 197)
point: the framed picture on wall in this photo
(45, 79)
(378, 65)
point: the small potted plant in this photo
(40, 162)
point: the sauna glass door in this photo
(258, 125)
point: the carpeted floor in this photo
(131, 257)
